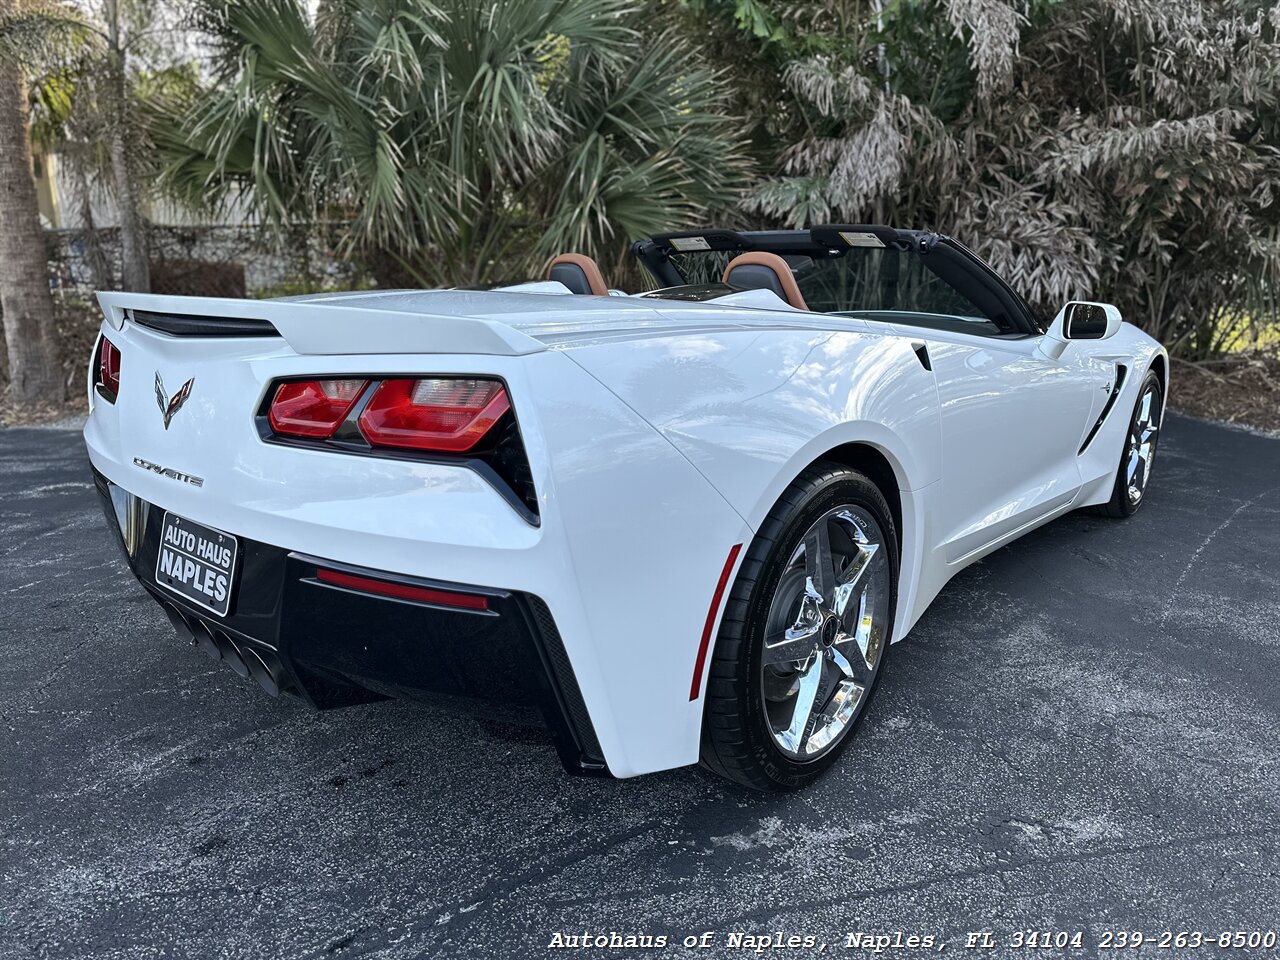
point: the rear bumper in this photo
(335, 646)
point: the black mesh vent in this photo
(565, 679)
(183, 325)
(509, 461)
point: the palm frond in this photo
(467, 138)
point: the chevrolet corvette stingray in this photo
(680, 525)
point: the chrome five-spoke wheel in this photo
(1141, 450)
(1133, 473)
(806, 629)
(825, 632)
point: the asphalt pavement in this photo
(1082, 734)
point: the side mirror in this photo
(1080, 320)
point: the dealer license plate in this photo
(197, 563)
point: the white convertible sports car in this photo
(685, 524)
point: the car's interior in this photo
(907, 277)
(761, 270)
(579, 273)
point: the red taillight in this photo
(445, 414)
(108, 370)
(313, 408)
(403, 591)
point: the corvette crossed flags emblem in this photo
(171, 405)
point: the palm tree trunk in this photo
(134, 258)
(27, 307)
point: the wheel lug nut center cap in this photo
(829, 631)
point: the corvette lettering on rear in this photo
(168, 472)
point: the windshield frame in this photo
(961, 268)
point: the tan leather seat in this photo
(758, 270)
(579, 273)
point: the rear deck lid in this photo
(339, 325)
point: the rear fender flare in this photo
(913, 524)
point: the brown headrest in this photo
(577, 272)
(753, 270)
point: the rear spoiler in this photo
(328, 326)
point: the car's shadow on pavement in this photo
(1079, 734)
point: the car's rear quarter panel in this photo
(751, 409)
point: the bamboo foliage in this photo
(1116, 149)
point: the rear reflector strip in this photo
(696, 687)
(402, 591)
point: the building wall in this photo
(202, 257)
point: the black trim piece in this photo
(922, 354)
(335, 647)
(500, 458)
(692, 292)
(1121, 371)
(187, 325)
(586, 757)
(656, 262)
(509, 462)
(1023, 316)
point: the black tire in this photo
(1122, 504)
(736, 740)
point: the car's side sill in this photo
(967, 549)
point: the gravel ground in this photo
(1081, 734)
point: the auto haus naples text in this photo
(184, 562)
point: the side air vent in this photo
(1106, 409)
(184, 325)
